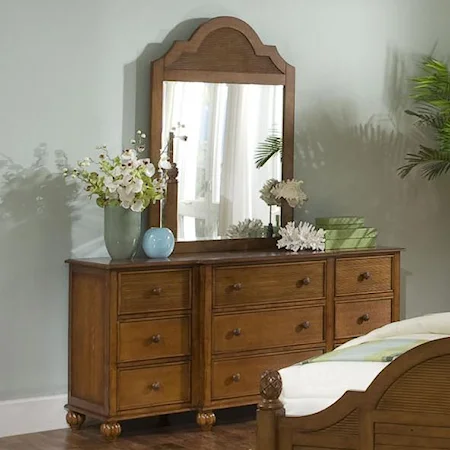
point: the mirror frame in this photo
(221, 50)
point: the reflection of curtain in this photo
(253, 113)
(218, 180)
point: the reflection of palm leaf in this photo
(433, 163)
(272, 145)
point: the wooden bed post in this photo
(269, 409)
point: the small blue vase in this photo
(158, 242)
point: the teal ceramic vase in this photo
(122, 231)
(158, 242)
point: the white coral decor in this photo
(248, 228)
(291, 191)
(302, 237)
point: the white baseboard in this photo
(32, 415)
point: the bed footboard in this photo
(407, 406)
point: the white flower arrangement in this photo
(248, 228)
(125, 180)
(302, 237)
(274, 191)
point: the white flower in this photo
(134, 187)
(150, 170)
(127, 179)
(117, 171)
(124, 196)
(128, 155)
(164, 163)
(291, 191)
(137, 206)
(111, 184)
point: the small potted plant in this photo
(123, 186)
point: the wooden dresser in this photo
(195, 332)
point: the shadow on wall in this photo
(136, 88)
(37, 209)
(350, 168)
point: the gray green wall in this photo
(69, 72)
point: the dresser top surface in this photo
(237, 257)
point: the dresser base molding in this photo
(195, 332)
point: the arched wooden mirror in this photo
(215, 100)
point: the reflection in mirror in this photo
(218, 181)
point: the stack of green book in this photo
(346, 233)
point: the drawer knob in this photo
(365, 318)
(305, 281)
(366, 276)
(155, 386)
(236, 377)
(156, 338)
(237, 332)
(305, 325)
(156, 291)
(237, 286)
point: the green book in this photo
(345, 244)
(351, 233)
(339, 223)
(344, 220)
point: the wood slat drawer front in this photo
(141, 292)
(240, 377)
(149, 339)
(357, 318)
(363, 275)
(236, 286)
(257, 330)
(152, 386)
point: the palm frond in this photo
(431, 163)
(431, 92)
(433, 87)
(267, 149)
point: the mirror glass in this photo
(218, 131)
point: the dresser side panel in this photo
(88, 340)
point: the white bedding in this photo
(310, 388)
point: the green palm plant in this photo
(272, 145)
(431, 93)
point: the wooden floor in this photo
(143, 435)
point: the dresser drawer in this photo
(141, 292)
(152, 386)
(357, 318)
(149, 339)
(363, 275)
(268, 329)
(241, 377)
(235, 286)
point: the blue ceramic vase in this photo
(158, 242)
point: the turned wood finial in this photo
(270, 389)
(172, 174)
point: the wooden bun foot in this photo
(110, 430)
(206, 420)
(75, 420)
